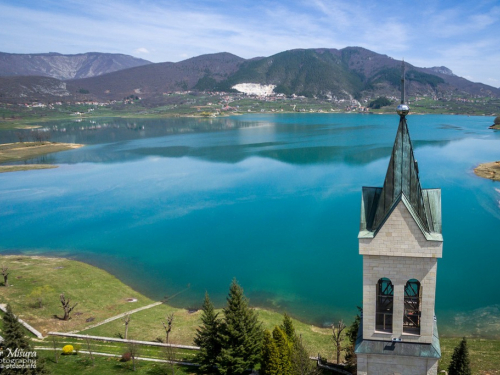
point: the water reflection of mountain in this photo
(290, 153)
(100, 131)
(113, 140)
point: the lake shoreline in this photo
(29, 124)
(20, 151)
(447, 327)
(169, 203)
(490, 170)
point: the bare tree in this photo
(171, 357)
(37, 136)
(40, 136)
(65, 306)
(5, 274)
(168, 326)
(338, 338)
(133, 349)
(21, 136)
(126, 320)
(55, 349)
(45, 136)
(89, 348)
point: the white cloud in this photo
(141, 50)
(463, 36)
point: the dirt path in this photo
(118, 316)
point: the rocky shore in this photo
(489, 170)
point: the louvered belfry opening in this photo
(401, 179)
(412, 303)
(385, 305)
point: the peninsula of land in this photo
(20, 151)
(489, 170)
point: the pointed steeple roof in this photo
(401, 184)
(402, 181)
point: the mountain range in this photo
(351, 72)
(63, 67)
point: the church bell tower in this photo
(400, 240)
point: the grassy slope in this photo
(484, 354)
(101, 295)
(82, 365)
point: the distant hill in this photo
(26, 89)
(155, 79)
(351, 72)
(302, 72)
(60, 66)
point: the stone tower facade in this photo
(400, 240)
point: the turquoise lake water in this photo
(273, 200)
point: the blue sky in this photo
(461, 35)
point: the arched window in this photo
(385, 299)
(413, 299)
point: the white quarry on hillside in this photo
(255, 89)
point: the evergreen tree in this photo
(269, 364)
(284, 354)
(460, 363)
(240, 335)
(288, 328)
(300, 361)
(14, 339)
(284, 351)
(352, 334)
(13, 332)
(207, 337)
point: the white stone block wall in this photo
(400, 236)
(379, 364)
(399, 252)
(399, 270)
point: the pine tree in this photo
(460, 362)
(240, 333)
(284, 354)
(352, 334)
(14, 339)
(288, 328)
(284, 351)
(13, 332)
(269, 364)
(301, 363)
(207, 337)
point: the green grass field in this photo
(82, 364)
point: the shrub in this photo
(126, 357)
(379, 102)
(497, 120)
(68, 349)
(77, 348)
